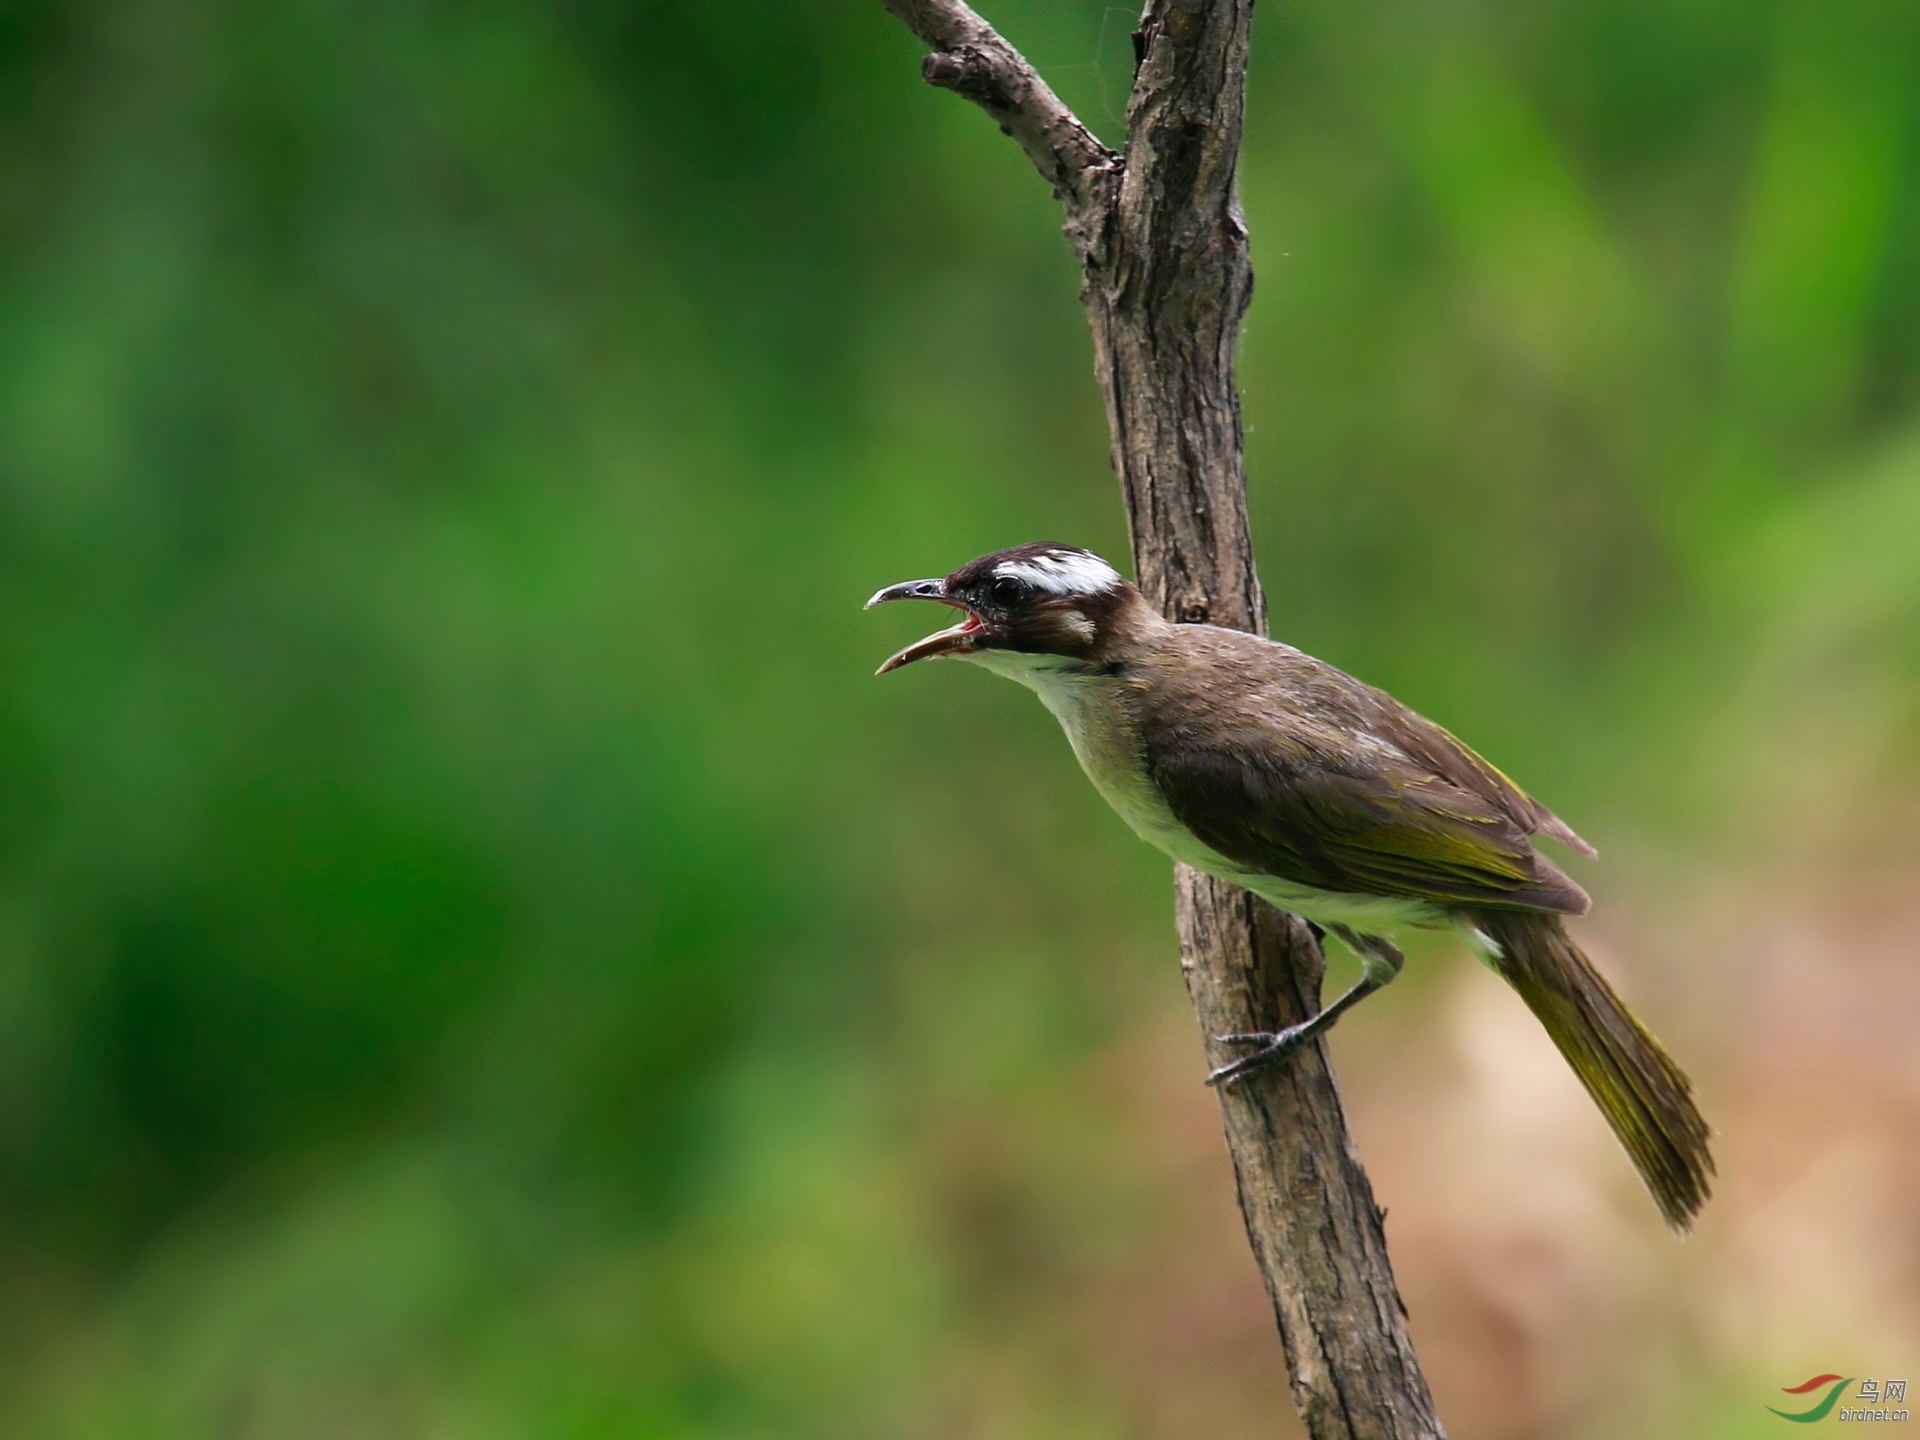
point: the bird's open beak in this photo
(963, 636)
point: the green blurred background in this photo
(481, 957)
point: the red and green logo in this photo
(1819, 1411)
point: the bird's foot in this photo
(1275, 1049)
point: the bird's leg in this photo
(1380, 961)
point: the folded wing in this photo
(1358, 819)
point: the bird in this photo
(1256, 763)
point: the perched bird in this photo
(1258, 764)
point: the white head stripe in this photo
(1063, 574)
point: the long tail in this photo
(1646, 1098)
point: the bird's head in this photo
(1042, 601)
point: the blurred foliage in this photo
(478, 954)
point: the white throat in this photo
(1043, 674)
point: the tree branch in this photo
(971, 59)
(1165, 279)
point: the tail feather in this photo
(1646, 1098)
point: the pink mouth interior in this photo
(970, 626)
(942, 642)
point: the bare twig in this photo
(1165, 281)
(969, 57)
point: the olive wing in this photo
(1369, 821)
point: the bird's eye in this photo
(1005, 590)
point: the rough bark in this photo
(1165, 281)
